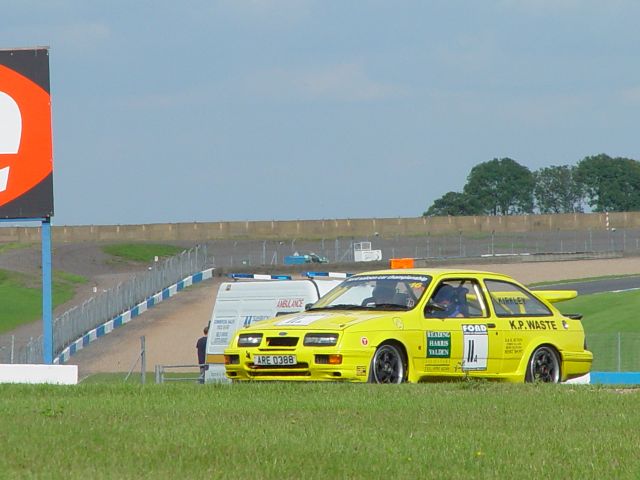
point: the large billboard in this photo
(26, 153)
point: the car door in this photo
(520, 318)
(463, 340)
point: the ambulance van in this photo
(250, 298)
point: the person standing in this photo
(201, 347)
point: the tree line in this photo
(504, 187)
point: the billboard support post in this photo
(47, 298)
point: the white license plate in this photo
(274, 360)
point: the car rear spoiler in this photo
(553, 296)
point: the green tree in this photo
(610, 184)
(454, 203)
(556, 190)
(501, 187)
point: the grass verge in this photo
(21, 296)
(319, 431)
(140, 252)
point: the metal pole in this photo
(619, 353)
(143, 361)
(47, 304)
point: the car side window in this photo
(510, 300)
(455, 298)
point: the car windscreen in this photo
(383, 292)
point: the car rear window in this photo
(509, 300)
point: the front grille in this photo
(301, 373)
(282, 341)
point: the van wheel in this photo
(387, 365)
(543, 366)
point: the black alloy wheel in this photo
(387, 365)
(544, 366)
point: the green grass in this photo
(21, 296)
(140, 252)
(319, 431)
(612, 325)
(581, 280)
(5, 247)
(606, 312)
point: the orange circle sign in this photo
(25, 120)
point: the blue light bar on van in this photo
(328, 274)
(258, 276)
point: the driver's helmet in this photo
(384, 291)
(445, 295)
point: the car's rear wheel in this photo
(544, 365)
(388, 365)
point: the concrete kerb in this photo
(129, 315)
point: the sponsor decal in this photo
(533, 325)
(364, 341)
(300, 320)
(512, 300)
(512, 346)
(407, 278)
(438, 344)
(474, 328)
(361, 371)
(249, 319)
(476, 347)
(436, 368)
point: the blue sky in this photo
(227, 110)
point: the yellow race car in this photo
(417, 325)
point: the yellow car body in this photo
(491, 327)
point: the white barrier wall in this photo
(56, 374)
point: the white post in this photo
(143, 361)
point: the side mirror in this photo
(308, 306)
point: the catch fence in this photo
(242, 253)
(74, 323)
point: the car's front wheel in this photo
(543, 366)
(387, 365)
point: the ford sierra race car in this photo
(417, 325)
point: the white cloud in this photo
(569, 7)
(346, 81)
(269, 11)
(631, 95)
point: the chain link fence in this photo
(615, 352)
(74, 323)
(241, 253)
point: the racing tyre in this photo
(388, 365)
(544, 366)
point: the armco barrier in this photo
(128, 315)
(615, 378)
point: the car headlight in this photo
(320, 339)
(249, 339)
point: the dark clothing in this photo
(201, 345)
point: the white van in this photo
(251, 298)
